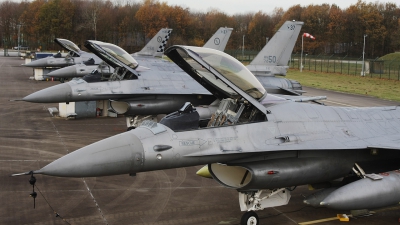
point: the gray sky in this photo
(240, 6)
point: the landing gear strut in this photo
(249, 218)
(258, 200)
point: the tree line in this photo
(130, 24)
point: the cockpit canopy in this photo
(225, 64)
(118, 55)
(68, 45)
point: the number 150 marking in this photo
(270, 59)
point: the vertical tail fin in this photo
(219, 40)
(156, 45)
(274, 57)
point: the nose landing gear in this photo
(249, 218)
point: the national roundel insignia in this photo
(216, 41)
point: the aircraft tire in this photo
(249, 218)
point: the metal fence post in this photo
(334, 66)
(322, 61)
(341, 65)
(355, 71)
(327, 68)
(348, 67)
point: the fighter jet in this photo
(155, 47)
(272, 59)
(161, 88)
(75, 56)
(160, 85)
(255, 142)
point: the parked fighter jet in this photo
(155, 47)
(158, 89)
(257, 143)
(272, 59)
(75, 56)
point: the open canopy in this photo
(112, 54)
(68, 45)
(203, 64)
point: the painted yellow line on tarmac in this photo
(319, 221)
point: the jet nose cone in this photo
(51, 62)
(54, 94)
(120, 154)
(66, 72)
(38, 63)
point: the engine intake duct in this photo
(278, 173)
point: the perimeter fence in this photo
(384, 69)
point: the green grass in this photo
(381, 88)
(391, 56)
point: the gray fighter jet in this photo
(75, 56)
(162, 87)
(257, 143)
(155, 47)
(288, 32)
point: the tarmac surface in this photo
(30, 138)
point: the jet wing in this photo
(301, 98)
(385, 147)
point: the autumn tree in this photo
(129, 28)
(151, 17)
(213, 20)
(391, 21)
(316, 20)
(92, 13)
(293, 13)
(336, 29)
(30, 19)
(240, 28)
(179, 20)
(55, 18)
(260, 27)
(9, 22)
(131, 24)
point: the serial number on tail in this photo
(270, 59)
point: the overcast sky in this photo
(241, 6)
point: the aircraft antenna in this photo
(32, 181)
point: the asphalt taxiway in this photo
(30, 138)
